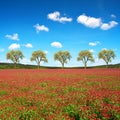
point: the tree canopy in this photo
(14, 56)
(106, 55)
(85, 56)
(38, 57)
(62, 57)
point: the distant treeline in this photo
(23, 66)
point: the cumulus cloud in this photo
(55, 16)
(28, 45)
(94, 43)
(93, 22)
(12, 37)
(89, 21)
(14, 46)
(41, 28)
(56, 44)
(107, 26)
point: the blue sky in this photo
(53, 25)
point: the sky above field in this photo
(53, 25)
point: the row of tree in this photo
(61, 56)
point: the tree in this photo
(38, 57)
(14, 56)
(106, 55)
(62, 57)
(85, 56)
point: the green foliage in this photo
(117, 116)
(112, 115)
(24, 101)
(98, 114)
(2, 92)
(106, 55)
(29, 115)
(71, 88)
(44, 84)
(89, 103)
(62, 57)
(3, 102)
(72, 110)
(85, 56)
(38, 56)
(14, 56)
(25, 89)
(107, 100)
(39, 92)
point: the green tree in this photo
(38, 57)
(62, 57)
(85, 56)
(14, 56)
(106, 55)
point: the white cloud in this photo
(56, 44)
(41, 28)
(2, 50)
(93, 22)
(14, 46)
(55, 16)
(89, 21)
(113, 16)
(107, 26)
(94, 43)
(12, 37)
(28, 45)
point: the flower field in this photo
(60, 94)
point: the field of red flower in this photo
(55, 94)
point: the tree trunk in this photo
(106, 64)
(85, 65)
(62, 65)
(15, 65)
(38, 65)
